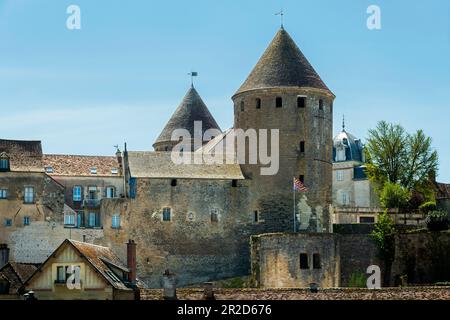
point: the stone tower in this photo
(191, 109)
(284, 92)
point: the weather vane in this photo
(281, 14)
(193, 74)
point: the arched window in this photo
(4, 162)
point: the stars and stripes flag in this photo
(298, 186)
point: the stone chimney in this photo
(131, 260)
(4, 254)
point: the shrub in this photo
(437, 220)
(394, 196)
(357, 280)
(427, 207)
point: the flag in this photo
(298, 186)
(193, 74)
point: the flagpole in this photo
(293, 190)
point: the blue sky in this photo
(122, 75)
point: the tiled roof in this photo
(98, 257)
(443, 191)
(191, 109)
(283, 65)
(75, 165)
(23, 155)
(16, 274)
(160, 165)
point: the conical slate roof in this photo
(191, 109)
(282, 65)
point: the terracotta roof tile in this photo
(75, 165)
(23, 155)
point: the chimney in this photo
(131, 260)
(119, 157)
(4, 254)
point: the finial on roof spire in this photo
(281, 14)
(192, 74)
(343, 122)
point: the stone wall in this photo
(423, 257)
(195, 250)
(276, 260)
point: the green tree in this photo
(384, 237)
(394, 196)
(397, 157)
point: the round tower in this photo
(284, 92)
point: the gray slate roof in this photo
(283, 65)
(191, 109)
(354, 147)
(160, 165)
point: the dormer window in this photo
(4, 162)
(93, 170)
(340, 153)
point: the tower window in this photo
(279, 102)
(214, 215)
(234, 183)
(173, 182)
(256, 216)
(320, 104)
(304, 261)
(301, 102)
(258, 103)
(166, 215)
(242, 106)
(316, 261)
(302, 146)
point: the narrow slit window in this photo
(242, 106)
(302, 146)
(173, 182)
(320, 104)
(258, 103)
